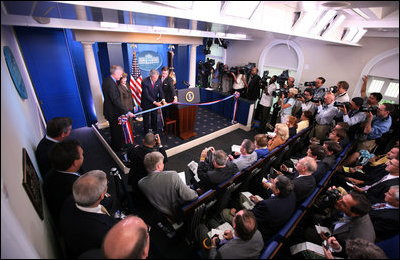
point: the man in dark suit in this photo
(304, 183)
(113, 107)
(376, 192)
(67, 159)
(385, 216)
(84, 221)
(254, 85)
(168, 88)
(272, 213)
(152, 96)
(57, 130)
(215, 171)
(246, 242)
(136, 155)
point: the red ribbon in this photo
(126, 128)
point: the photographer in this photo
(324, 117)
(287, 104)
(307, 104)
(254, 85)
(239, 81)
(226, 80)
(374, 128)
(266, 102)
(354, 117)
(319, 91)
(373, 99)
(341, 95)
(214, 168)
(215, 77)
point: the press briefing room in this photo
(200, 129)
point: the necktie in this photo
(104, 210)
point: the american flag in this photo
(136, 81)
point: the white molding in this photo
(368, 67)
(300, 58)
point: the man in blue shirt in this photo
(374, 128)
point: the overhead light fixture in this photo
(335, 24)
(306, 21)
(359, 35)
(323, 22)
(239, 8)
(361, 13)
(350, 33)
(335, 4)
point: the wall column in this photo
(94, 82)
(192, 66)
(80, 11)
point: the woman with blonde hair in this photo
(281, 135)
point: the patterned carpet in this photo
(206, 123)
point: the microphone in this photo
(186, 83)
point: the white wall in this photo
(21, 127)
(333, 62)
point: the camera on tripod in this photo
(310, 84)
(373, 110)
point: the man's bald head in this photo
(128, 239)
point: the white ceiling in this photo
(218, 19)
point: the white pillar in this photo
(80, 11)
(94, 84)
(192, 66)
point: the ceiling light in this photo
(326, 18)
(351, 32)
(335, 4)
(335, 24)
(239, 8)
(306, 21)
(359, 35)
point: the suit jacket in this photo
(271, 214)
(168, 89)
(126, 96)
(376, 193)
(56, 188)
(150, 94)
(385, 221)
(359, 227)
(83, 230)
(320, 172)
(303, 187)
(136, 156)
(42, 156)
(253, 92)
(112, 107)
(166, 191)
(239, 249)
(211, 177)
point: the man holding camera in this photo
(266, 102)
(319, 90)
(342, 96)
(352, 115)
(374, 98)
(374, 128)
(306, 100)
(324, 117)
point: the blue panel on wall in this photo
(104, 60)
(50, 68)
(182, 65)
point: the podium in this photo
(186, 115)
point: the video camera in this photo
(310, 84)
(264, 78)
(280, 92)
(342, 104)
(317, 100)
(373, 110)
(281, 79)
(332, 89)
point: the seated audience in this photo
(332, 150)
(66, 158)
(374, 128)
(247, 155)
(305, 121)
(356, 248)
(245, 242)
(281, 135)
(261, 141)
(128, 239)
(385, 216)
(292, 125)
(317, 152)
(376, 192)
(57, 130)
(324, 117)
(136, 155)
(304, 183)
(339, 135)
(84, 221)
(164, 189)
(215, 171)
(273, 213)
